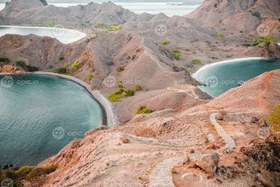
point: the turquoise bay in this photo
(40, 114)
(221, 77)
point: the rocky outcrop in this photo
(267, 50)
(241, 15)
(209, 163)
(262, 161)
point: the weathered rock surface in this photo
(238, 15)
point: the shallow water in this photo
(40, 114)
(219, 78)
(65, 36)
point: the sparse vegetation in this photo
(61, 56)
(219, 35)
(164, 42)
(256, 40)
(144, 110)
(26, 173)
(4, 59)
(66, 64)
(114, 97)
(176, 54)
(264, 39)
(61, 70)
(50, 23)
(75, 65)
(274, 118)
(196, 61)
(120, 84)
(120, 69)
(90, 77)
(137, 88)
(108, 28)
(26, 67)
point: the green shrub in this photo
(274, 118)
(196, 61)
(120, 84)
(4, 59)
(264, 39)
(108, 28)
(256, 40)
(114, 97)
(61, 56)
(28, 173)
(164, 42)
(26, 67)
(220, 35)
(176, 54)
(137, 88)
(66, 64)
(144, 110)
(61, 70)
(21, 64)
(120, 69)
(76, 65)
(90, 77)
(51, 23)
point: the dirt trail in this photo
(162, 173)
(230, 144)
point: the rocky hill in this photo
(241, 15)
(36, 12)
(177, 144)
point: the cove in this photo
(219, 77)
(65, 36)
(40, 114)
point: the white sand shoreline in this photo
(225, 62)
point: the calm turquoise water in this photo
(40, 114)
(65, 36)
(219, 78)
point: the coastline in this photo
(109, 115)
(225, 62)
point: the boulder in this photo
(209, 162)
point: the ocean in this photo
(168, 8)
